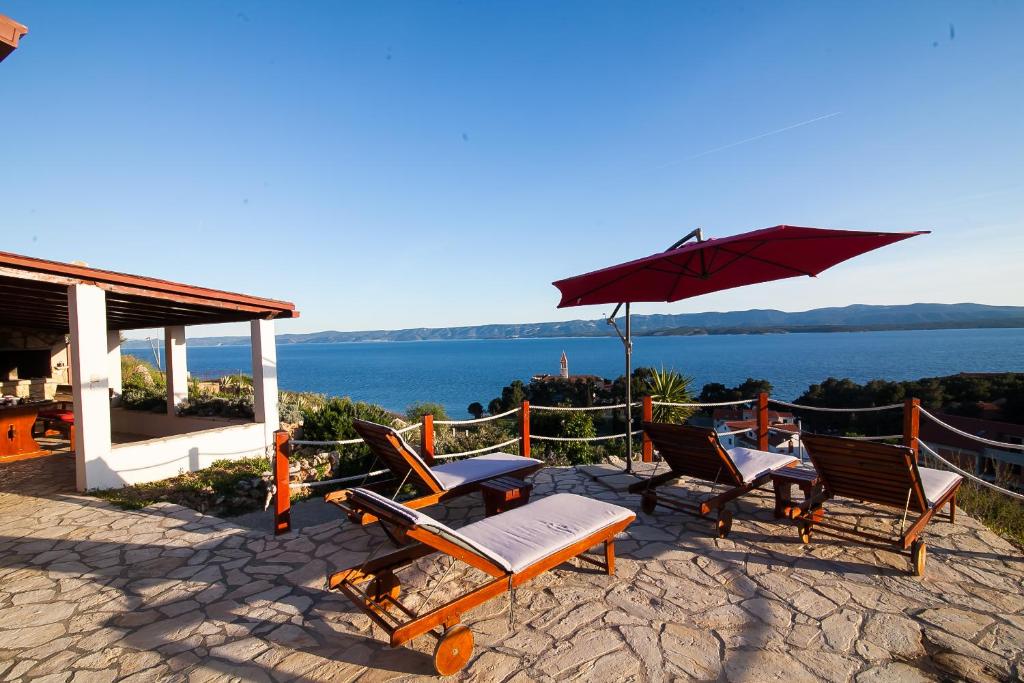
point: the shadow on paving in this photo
(190, 594)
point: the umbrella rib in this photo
(606, 284)
(764, 260)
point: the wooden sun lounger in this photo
(511, 548)
(696, 452)
(877, 473)
(433, 484)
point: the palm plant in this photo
(669, 386)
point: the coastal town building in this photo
(783, 437)
(61, 330)
(992, 464)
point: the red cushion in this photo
(58, 414)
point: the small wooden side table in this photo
(504, 494)
(782, 481)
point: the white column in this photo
(264, 376)
(114, 365)
(177, 367)
(87, 316)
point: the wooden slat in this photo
(873, 472)
(692, 452)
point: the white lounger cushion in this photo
(430, 524)
(936, 483)
(543, 527)
(453, 474)
(752, 464)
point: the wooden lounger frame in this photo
(694, 452)
(876, 473)
(391, 450)
(454, 647)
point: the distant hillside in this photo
(859, 317)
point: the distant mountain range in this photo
(859, 317)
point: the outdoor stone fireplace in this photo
(33, 363)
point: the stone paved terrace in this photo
(92, 593)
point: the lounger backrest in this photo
(693, 452)
(865, 470)
(396, 514)
(399, 457)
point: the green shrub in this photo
(999, 512)
(206, 405)
(332, 421)
(416, 411)
(577, 425)
(292, 404)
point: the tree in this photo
(476, 410)
(416, 411)
(669, 386)
(513, 395)
(494, 407)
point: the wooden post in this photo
(524, 430)
(283, 498)
(762, 421)
(911, 423)
(427, 439)
(647, 415)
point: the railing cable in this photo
(968, 475)
(447, 456)
(968, 435)
(477, 421)
(869, 409)
(538, 437)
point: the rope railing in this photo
(342, 480)
(968, 435)
(716, 404)
(967, 475)
(572, 409)
(344, 442)
(477, 421)
(821, 409)
(447, 456)
(737, 431)
(538, 437)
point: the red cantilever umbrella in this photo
(705, 266)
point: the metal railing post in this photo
(524, 430)
(282, 481)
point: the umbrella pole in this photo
(628, 342)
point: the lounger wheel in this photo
(918, 555)
(805, 533)
(453, 650)
(724, 523)
(385, 586)
(648, 501)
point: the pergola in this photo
(10, 33)
(93, 307)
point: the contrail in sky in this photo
(756, 137)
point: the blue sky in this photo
(432, 164)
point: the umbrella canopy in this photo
(715, 264)
(705, 266)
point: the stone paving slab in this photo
(92, 593)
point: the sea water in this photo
(457, 373)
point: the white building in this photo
(89, 309)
